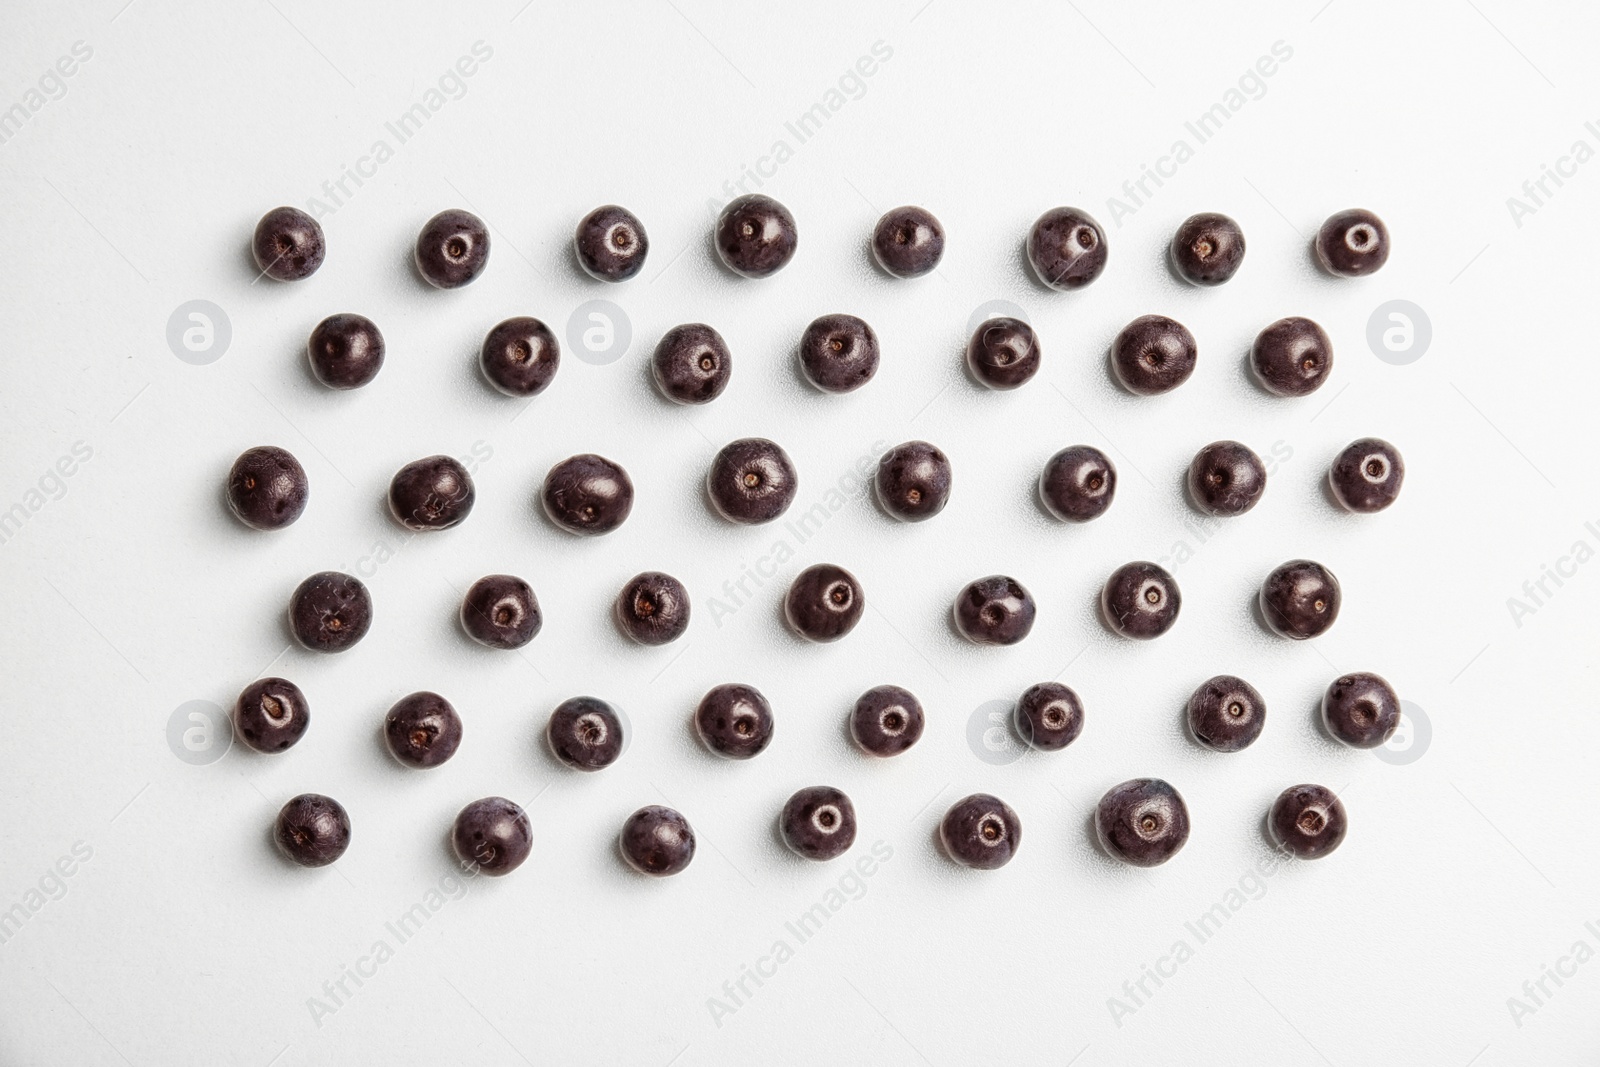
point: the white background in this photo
(186, 939)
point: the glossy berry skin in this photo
(818, 823)
(587, 495)
(271, 715)
(1292, 357)
(908, 242)
(435, 493)
(312, 830)
(585, 733)
(886, 720)
(1361, 710)
(1078, 484)
(611, 244)
(1226, 713)
(1143, 822)
(1067, 248)
(500, 611)
(492, 836)
(913, 481)
(1367, 475)
(288, 244)
(452, 249)
(838, 353)
(756, 236)
(1207, 249)
(1300, 599)
(824, 603)
(653, 608)
(422, 730)
(981, 831)
(657, 841)
(1226, 478)
(330, 611)
(996, 610)
(734, 721)
(1308, 821)
(1140, 600)
(1153, 354)
(1003, 353)
(691, 364)
(520, 356)
(1352, 243)
(751, 481)
(267, 488)
(1049, 716)
(346, 351)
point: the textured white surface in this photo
(184, 939)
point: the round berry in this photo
(1352, 243)
(1292, 357)
(995, 610)
(691, 364)
(657, 841)
(913, 481)
(981, 831)
(1143, 822)
(1067, 248)
(312, 830)
(422, 730)
(756, 236)
(1140, 600)
(288, 244)
(1207, 249)
(435, 493)
(1300, 599)
(330, 611)
(1078, 484)
(653, 608)
(271, 715)
(1361, 710)
(751, 481)
(1049, 716)
(818, 823)
(587, 495)
(611, 244)
(1308, 821)
(1367, 475)
(839, 353)
(1153, 354)
(824, 603)
(1003, 353)
(520, 356)
(1226, 713)
(585, 733)
(267, 488)
(346, 351)
(886, 720)
(734, 721)
(452, 249)
(500, 611)
(1226, 478)
(908, 242)
(492, 836)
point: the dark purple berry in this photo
(1352, 243)
(452, 249)
(1143, 822)
(818, 823)
(886, 720)
(756, 236)
(611, 244)
(500, 611)
(1367, 475)
(1307, 820)
(692, 364)
(1067, 248)
(824, 603)
(435, 493)
(312, 830)
(288, 244)
(346, 351)
(330, 612)
(1049, 716)
(981, 831)
(995, 610)
(1300, 599)
(422, 730)
(492, 836)
(1226, 478)
(1226, 713)
(1003, 353)
(1140, 600)
(1292, 357)
(734, 720)
(587, 495)
(271, 715)
(839, 353)
(585, 733)
(908, 242)
(913, 481)
(267, 488)
(751, 481)
(1207, 249)
(1078, 484)
(657, 841)
(653, 608)
(1361, 710)
(1153, 354)
(520, 356)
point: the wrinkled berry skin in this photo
(587, 495)
(1078, 484)
(996, 610)
(312, 830)
(1067, 248)
(492, 836)
(520, 356)
(913, 481)
(1361, 710)
(1352, 243)
(267, 488)
(1143, 822)
(500, 611)
(1208, 249)
(653, 608)
(611, 244)
(756, 236)
(818, 823)
(1226, 713)
(435, 493)
(288, 244)
(886, 720)
(1049, 716)
(422, 730)
(1226, 478)
(1140, 600)
(271, 715)
(734, 721)
(657, 841)
(1308, 821)
(981, 831)
(585, 733)
(691, 364)
(824, 603)
(839, 353)
(1292, 357)
(1003, 353)
(1367, 475)
(751, 481)
(908, 242)
(452, 249)
(345, 351)
(1153, 354)
(1300, 599)
(330, 612)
